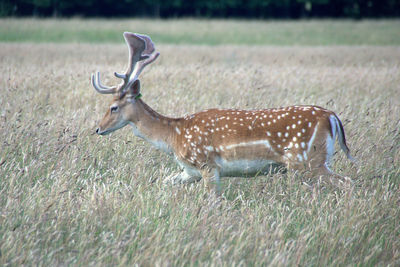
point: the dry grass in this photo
(68, 196)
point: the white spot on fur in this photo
(209, 148)
(299, 157)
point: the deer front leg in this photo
(184, 177)
(211, 177)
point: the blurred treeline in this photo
(203, 8)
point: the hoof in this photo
(173, 179)
(180, 178)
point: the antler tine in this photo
(99, 87)
(140, 66)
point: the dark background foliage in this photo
(262, 9)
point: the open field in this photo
(206, 32)
(68, 196)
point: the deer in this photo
(216, 143)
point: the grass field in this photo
(206, 32)
(70, 197)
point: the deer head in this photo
(141, 53)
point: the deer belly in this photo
(245, 167)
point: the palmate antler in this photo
(141, 53)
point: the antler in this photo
(102, 88)
(141, 53)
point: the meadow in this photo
(71, 197)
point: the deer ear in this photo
(134, 89)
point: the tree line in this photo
(259, 9)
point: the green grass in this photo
(206, 32)
(70, 197)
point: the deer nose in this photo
(97, 130)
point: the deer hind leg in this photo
(319, 163)
(331, 177)
(314, 160)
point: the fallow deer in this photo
(222, 142)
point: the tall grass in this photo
(70, 197)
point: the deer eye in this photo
(114, 109)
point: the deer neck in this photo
(154, 127)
